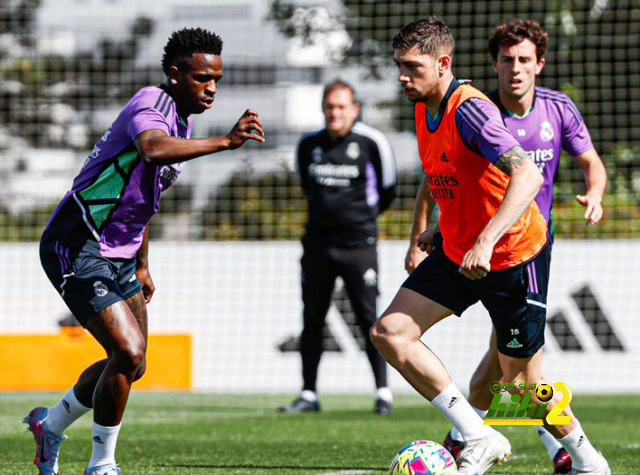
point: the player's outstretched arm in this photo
(157, 148)
(525, 181)
(595, 177)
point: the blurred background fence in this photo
(68, 66)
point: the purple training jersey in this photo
(479, 124)
(553, 123)
(115, 194)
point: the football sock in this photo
(455, 433)
(104, 445)
(457, 409)
(550, 442)
(385, 394)
(583, 455)
(64, 413)
(310, 396)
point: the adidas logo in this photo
(514, 344)
(452, 402)
(98, 440)
(66, 406)
(443, 157)
(595, 319)
(580, 441)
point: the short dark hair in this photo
(515, 31)
(184, 43)
(335, 85)
(431, 35)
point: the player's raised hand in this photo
(594, 211)
(248, 127)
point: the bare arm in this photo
(421, 239)
(142, 267)
(523, 187)
(595, 177)
(157, 148)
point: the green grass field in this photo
(195, 434)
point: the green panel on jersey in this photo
(99, 213)
(108, 188)
(126, 159)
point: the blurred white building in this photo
(280, 78)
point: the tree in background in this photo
(48, 101)
(41, 97)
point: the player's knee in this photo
(141, 370)
(377, 336)
(385, 339)
(130, 357)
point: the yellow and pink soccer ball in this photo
(423, 457)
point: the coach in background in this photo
(348, 174)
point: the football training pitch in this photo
(180, 434)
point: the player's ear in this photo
(444, 63)
(540, 65)
(494, 65)
(174, 75)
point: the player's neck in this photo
(169, 89)
(518, 106)
(434, 101)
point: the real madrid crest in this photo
(546, 131)
(100, 289)
(353, 150)
(316, 155)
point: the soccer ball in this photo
(423, 457)
(544, 392)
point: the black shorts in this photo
(87, 281)
(516, 298)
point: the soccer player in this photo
(348, 174)
(490, 245)
(544, 122)
(94, 248)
